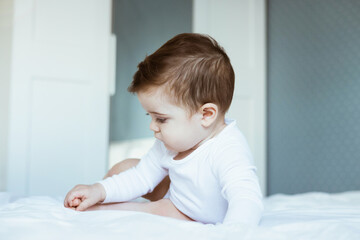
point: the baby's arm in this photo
(240, 187)
(127, 185)
(244, 199)
(138, 180)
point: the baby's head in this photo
(192, 69)
(190, 73)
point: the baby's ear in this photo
(209, 113)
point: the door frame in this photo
(245, 44)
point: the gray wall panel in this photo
(313, 96)
(141, 27)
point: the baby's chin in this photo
(176, 149)
(170, 148)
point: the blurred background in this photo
(66, 116)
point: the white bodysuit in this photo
(216, 183)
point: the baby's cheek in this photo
(177, 137)
(180, 144)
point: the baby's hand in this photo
(82, 197)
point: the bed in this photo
(312, 215)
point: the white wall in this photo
(6, 10)
(59, 98)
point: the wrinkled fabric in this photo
(302, 216)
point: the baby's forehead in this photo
(158, 101)
(156, 94)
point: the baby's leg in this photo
(159, 191)
(163, 207)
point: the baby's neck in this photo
(218, 127)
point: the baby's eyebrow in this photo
(157, 113)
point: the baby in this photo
(200, 167)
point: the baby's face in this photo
(170, 123)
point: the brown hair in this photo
(193, 68)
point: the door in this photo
(58, 132)
(239, 26)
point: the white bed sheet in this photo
(302, 216)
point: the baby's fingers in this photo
(85, 205)
(67, 202)
(75, 202)
(72, 198)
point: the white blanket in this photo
(302, 216)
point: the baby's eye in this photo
(161, 120)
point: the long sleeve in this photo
(139, 180)
(239, 185)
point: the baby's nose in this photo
(154, 127)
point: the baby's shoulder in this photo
(231, 140)
(231, 148)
